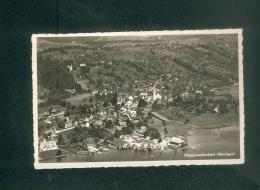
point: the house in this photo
(110, 119)
(72, 91)
(47, 121)
(82, 65)
(143, 129)
(122, 123)
(87, 124)
(144, 95)
(48, 132)
(198, 92)
(119, 100)
(134, 105)
(68, 124)
(98, 123)
(213, 91)
(118, 142)
(185, 96)
(135, 121)
(216, 109)
(53, 135)
(54, 110)
(46, 113)
(48, 145)
(129, 104)
(118, 127)
(92, 149)
(94, 92)
(89, 141)
(102, 113)
(130, 98)
(132, 113)
(176, 141)
(70, 67)
(104, 92)
(157, 97)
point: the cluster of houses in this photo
(127, 104)
(127, 110)
(137, 141)
(46, 145)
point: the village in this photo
(114, 119)
(126, 122)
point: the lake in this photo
(216, 140)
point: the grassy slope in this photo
(197, 59)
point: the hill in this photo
(201, 60)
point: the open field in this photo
(79, 99)
(206, 120)
(232, 90)
(174, 128)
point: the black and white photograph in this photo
(136, 99)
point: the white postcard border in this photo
(241, 160)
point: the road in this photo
(159, 116)
(63, 130)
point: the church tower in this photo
(154, 92)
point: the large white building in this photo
(48, 145)
(156, 95)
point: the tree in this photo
(186, 121)
(99, 72)
(156, 105)
(58, 153)
(60, 139)
(99, 84)
(114, 100)
(86, 69)
(142, 103)
(105, 104)
(84, 109)
(223, 108)
(60, 123)
(108, 124)
(165, 130)
(127, 130)
(130, 124)
(98, 97)
(153, 133)
(91, 99)
(167, 87)
(117, 134)
(55, 75)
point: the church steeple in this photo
(154, 92)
